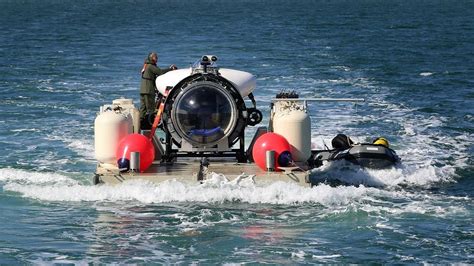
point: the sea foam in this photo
(60, 188)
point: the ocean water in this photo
(413, 61)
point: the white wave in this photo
(215, 190)
(84, 147)
(322, 257)
(56, 187)
(48, 258)
(300, 254)
(403, 174)
(25, 130)
(426, 74)
(419, 203)
(81, 145)
(23, 177)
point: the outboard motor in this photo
(204, 112)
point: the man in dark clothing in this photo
(150, 72)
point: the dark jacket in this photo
(149, 76)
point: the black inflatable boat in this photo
(376, 155)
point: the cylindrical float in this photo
(292, 122)
(109, 129)
(127, 108)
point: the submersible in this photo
(199, 129)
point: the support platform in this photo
(188, 171)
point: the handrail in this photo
(320, 99)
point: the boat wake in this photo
(52, 187)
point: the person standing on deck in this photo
(150, 72)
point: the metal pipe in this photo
(270, 161)
(135, 162)
(319, 99)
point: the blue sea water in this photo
(412, 60)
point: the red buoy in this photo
(135, 143)
(271, 142)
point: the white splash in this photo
(218, 189)
(23, 177)
(426, 74)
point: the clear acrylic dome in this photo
(204, 114)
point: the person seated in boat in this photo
(150, 72)
(341, 142)
(381, 141)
